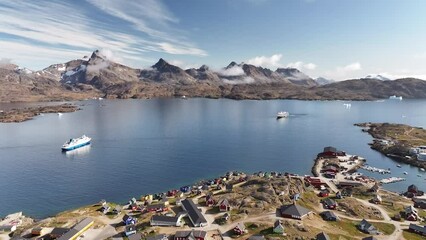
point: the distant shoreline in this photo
(18, 115)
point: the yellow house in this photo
(77, 230)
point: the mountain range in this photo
(97, 76)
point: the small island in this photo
(25, 114)
(400, 142)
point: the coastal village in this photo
(336, 202)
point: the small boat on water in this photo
(75, 143)
(422, 169)
(282, 115)
(59, 114)
(398, 165)
(394, 97)
(406, 173)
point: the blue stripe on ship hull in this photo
(76, 146)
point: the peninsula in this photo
(401, 142)
(337, 203)
(23, 114)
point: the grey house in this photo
(366, 227)
(195, 215)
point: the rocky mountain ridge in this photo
(97, 76)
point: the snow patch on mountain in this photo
(377, 76)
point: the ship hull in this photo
(75, 147)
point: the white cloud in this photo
(274, 61)
(263, 61)
(70, 27)
(232, 72)
(302, 66)
(244, 80)
(351, 67)
(310, 66)
(343, 73)
(169, 48)
(183, 64)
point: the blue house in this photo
(128, 220)
(185, 189)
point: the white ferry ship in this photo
(282, 115)
(76, 143)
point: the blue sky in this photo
(331, 38)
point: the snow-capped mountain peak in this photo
(377, 76)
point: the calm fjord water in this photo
(148, 146)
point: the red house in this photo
(224, 205)
(160, 207)
(331, 152)
(323, 193)
(240, 229)
(172, 193)
(209, 201)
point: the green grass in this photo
(412, 236)
(349, 227)
(172, 201)
(270, 233)
(392, 209)
(422, 213)
(309, 200)
(385, 228)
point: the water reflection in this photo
(78, 152)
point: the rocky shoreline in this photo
(396, 140)
(25, 114)
(250, 197)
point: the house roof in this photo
(328, 214)
(68, 235)
(84, 223)
(412, 186)
(158, 205)
(194, 213)
(162, 218)
(369, 238)
(417, 228)
(136, 236)
(130, 228)
(195, 233)
(294, 210)
(330, 167)
(59, 231)
(410, 209)
(224, 201)
(157, 237)
(277, 223)
(330, 149)
(364, 224)
(419, 200)
(241, 226)
(322, 236)
(329, 201)
(256, 237)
